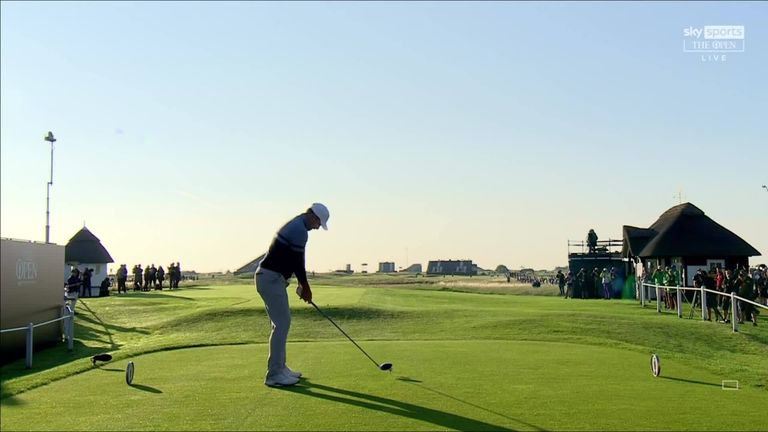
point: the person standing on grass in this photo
(73, 287)
(122, 276)
(746, 291)
(171, 274)
(597, 283)
(762, 286)
(569, 283)
(146, 279)
(581, 277)
(137, 277)
(285, 258)
(709, 281)
(607, 280)
(86, 279)
(560, 282)
(160, 277)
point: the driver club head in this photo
(386, 367)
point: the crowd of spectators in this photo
(148, 278)
(750, 284)
(597, 283)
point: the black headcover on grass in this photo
(101, 358)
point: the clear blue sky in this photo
(488, 131)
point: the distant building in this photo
(386, 267)
(250, 267)
(85, 250)
(413, 268)
(450, 267)
(687, 238)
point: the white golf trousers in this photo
(271, 286)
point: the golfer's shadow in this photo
(439, 418)
(420, 384)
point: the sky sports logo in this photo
(714, 39)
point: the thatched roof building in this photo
(84, 247)
(688, 238)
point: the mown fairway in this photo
(462, 361)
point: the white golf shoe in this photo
(280, 379)
(290, 372)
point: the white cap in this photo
(321, 212)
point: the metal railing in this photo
(68, 318)
(603, 246)
(699, 292)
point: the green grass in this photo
(463, 361)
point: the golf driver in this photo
(383, 366)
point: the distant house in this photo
(413, 268)
(386, 267)
(685, 237)
(250, 267)
(451, 267)
(85, 250)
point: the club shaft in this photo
(344, 333)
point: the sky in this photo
(494, 131)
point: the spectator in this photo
(597, 283)
(160, 277)
(178, 273)
(104, 287)
(592, 241)
(122, 276)
(669, 280)
(560, 277)
(581, 282)
(746, 291)
(729, 286)
(73, 288)
(709, 282)
(86, 279)
(137, 277)
(153, 276)
(607, 281)
(146, 279)
(762, 285)
(569, 280)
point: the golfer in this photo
(285, 258)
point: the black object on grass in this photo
(383, 366)
(101, 358)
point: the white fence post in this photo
(71, 330)
(734, 318)
(30, 344)
(679, 295)
(704, 310)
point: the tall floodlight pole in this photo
(51, 140)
